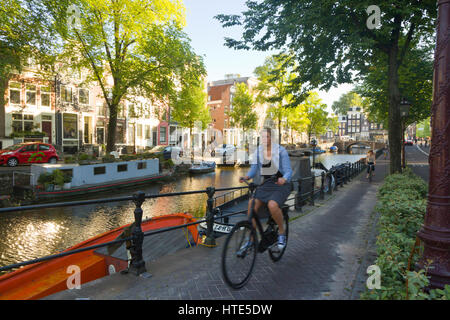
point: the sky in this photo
(207, 39)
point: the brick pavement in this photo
(322, 261)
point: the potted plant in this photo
(108, 158)
(58, 179)
(67, 182)
(46, 179)
(84, 158)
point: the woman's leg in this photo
(277, 215)
(258, 204)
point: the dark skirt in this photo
(271, 191)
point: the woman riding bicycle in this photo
(371, 162)
(272, 162)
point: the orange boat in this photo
(45, 278)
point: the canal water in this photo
(32, 234)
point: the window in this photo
(122, 167)
(101, 110)
(119, 133)
(30, 93)
(28, 122)
(66, 94)
(147, 132)
(139, 130)
(17, 122)
(45, 96)
(70, 126)
(83, 96)
(44, 147)
(14, 93)
(29, 148)
(67, 172)
(142, 165)
(162, 135)
(22, 122)
(99, 170)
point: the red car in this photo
(32, 152)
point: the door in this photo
(29, 154)
(45, 152)
(47, 128)
(87, 130)
(100, 135)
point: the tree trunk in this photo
(112, 128)
(395, 128)
(279, 131)
(3, 88)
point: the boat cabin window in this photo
(99, 170)
(67, 172)
(142, 165)
(122, 167)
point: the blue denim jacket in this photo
(280, 161)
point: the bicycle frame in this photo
(253, 214)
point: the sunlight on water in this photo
(32, 234)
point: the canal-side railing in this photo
(342, 174)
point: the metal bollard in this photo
(322, 192)
(298, 198)
(313, 178)
(137, 264)
(330, 181)
(210, 240)
(336, 182)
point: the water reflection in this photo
(31, 234)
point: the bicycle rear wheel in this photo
(274, 253)
(237, 264)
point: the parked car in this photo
(166, 151)
(32, 152)
(409, 143)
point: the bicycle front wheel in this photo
(238, 258)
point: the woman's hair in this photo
(370, 151)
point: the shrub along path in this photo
(322, 261)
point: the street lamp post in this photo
(435, 233)
(314, 144)
(404, 112)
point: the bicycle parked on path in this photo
(242, 245)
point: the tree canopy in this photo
(130, 47)
(334, 42)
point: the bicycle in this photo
(236, 270)
(370, 172)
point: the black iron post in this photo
(298, 198)
(322, 190)
(137, 264)
(313, 178)
(210, 240)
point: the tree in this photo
(423, 129)
(415, 84)
(337, 41)
(316, 114)
(131, 48)
(190, 107)
(296, 120)
(242, 115)
(275, 77)
(347, 100)
(25, 33)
